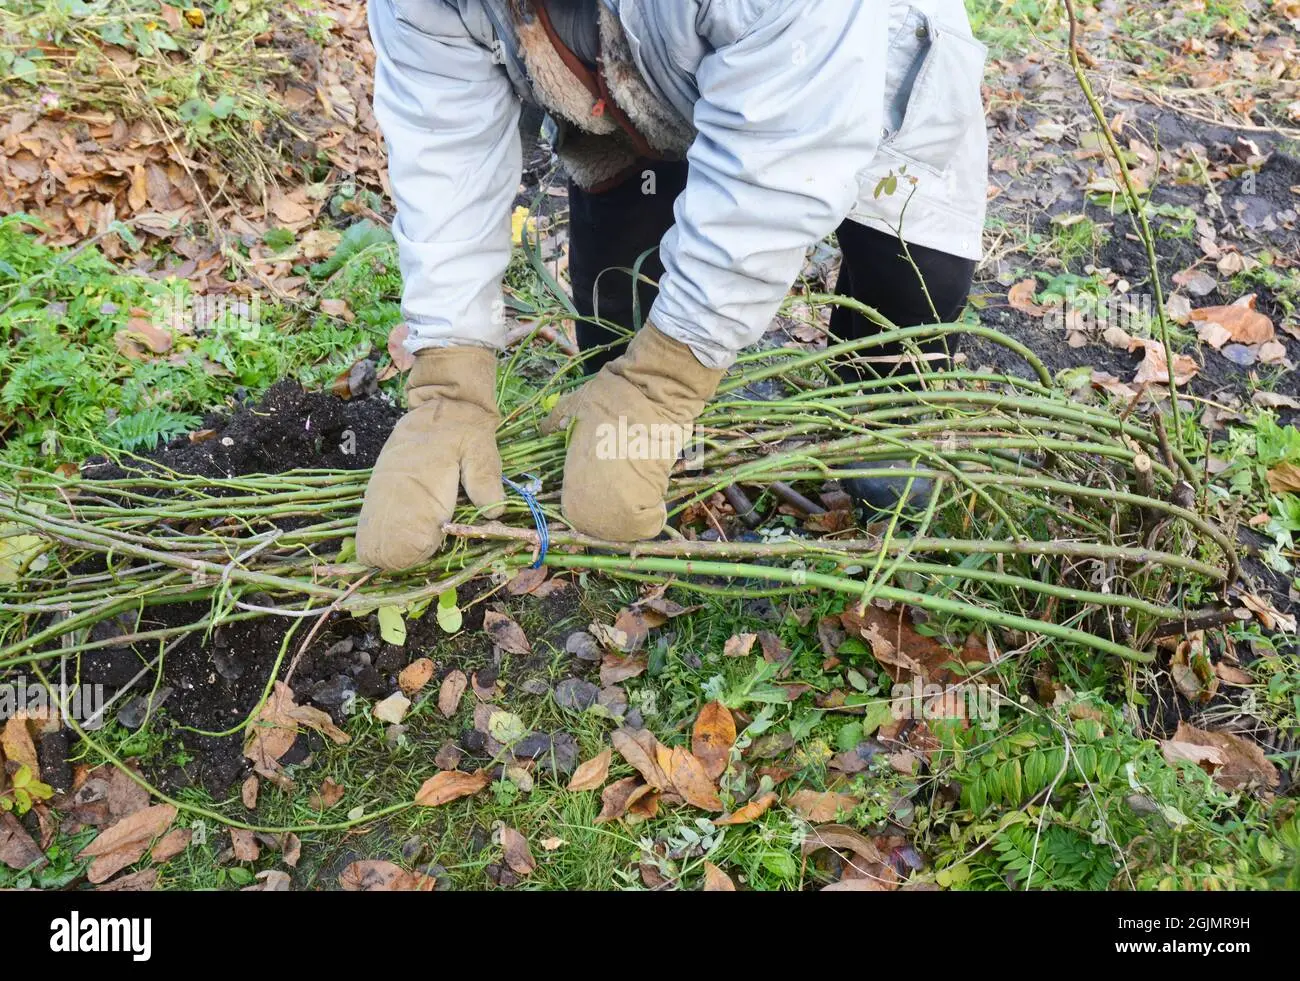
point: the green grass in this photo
(67, 389)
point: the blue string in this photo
(539, 517)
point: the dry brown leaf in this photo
(381, 876)
(616, 668)
(270, 880)
(1155, 368)
(902, 651)
(1284, 478)
(155, 338)
(392, 709)
(277, 726)
(1192, 671)
(1267, 614)
(245, 846)
(17, 849)
(642, 750)
(615, 798)
(126, 842)
(738, 645)
(146, 880)
(171, 844)
(330, 793)
(291, 849)
(1234, 763)
(841, 838)
(690, 779)
(1243, 323)
(525, 581)
(1233, 675)
(415, 675)
(712, 738)
(248, 792)
(453, 687)
(402, 358)
(17, 746)
(505, 633)
(593, 773)
(450, 785)
(1021, 297)
(820, 806)
(751, 811)
(517, 853)
(715, 880)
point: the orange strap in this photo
(595, 83)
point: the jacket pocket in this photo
(932, 91)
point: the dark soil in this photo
(215, 681)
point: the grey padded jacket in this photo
(797, 110)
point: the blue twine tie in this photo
(528, 492)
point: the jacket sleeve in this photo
(449, 117)
(790, 112)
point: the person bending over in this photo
(714, 142)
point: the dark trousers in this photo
(611, 231)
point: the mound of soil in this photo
(288, 429)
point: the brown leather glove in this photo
(448, 438)
(630, 422)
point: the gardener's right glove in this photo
(448, 438)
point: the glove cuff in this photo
(666, 371)
(454, 374)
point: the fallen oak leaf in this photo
(1021, 297)
(841, 838)
(277, 726)
(1243, 764)
(1155, 367)
(1284, 478)
(1242, 322)
(526, 581)
(450, 785)
(16, 743)
(171, 844)
(616, 668)
(248, 792)
(330, 793)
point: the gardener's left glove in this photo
(630, 422)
